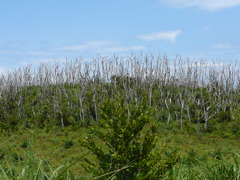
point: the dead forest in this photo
(190, 93)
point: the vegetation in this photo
(129, 138)
(141, 116)
(199, 156)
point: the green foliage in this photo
(236, 129)
(223, 170)
(130, 140)
(68, 144)
(235, 126)
(191, 158)
(200, 154)
(225, 116)
(70, 104)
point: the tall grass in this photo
(227, 168)
(29, 167)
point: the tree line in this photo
(183, 91)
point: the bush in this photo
(225, 116)
(130, 139)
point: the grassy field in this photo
(55, 149)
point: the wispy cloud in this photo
(40, 53)
(24, 52)
(91, 46)
(86, 46)
(101, 47)
(208, 5)
(157, 36)
(222, 46)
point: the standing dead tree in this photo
(186, 91)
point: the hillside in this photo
(191, 107)
(194, 94)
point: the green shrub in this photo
(225, 116)
(129, 140)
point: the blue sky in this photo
(33, 31)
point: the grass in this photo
(24, 162)
(57, 154)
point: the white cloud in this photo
(101, 47)
(222, 46)
(86, 46)
(208, 5)
(157, 36)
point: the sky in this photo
(56, 30)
